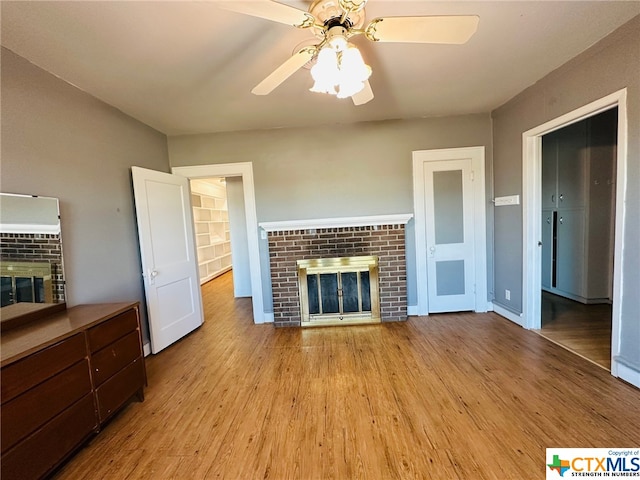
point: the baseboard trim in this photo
(412, 310)
(509, 315)
(625, 372)
(267, 317)
(146, 349)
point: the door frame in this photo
(244, 170)
(477, 156)
(532, 211)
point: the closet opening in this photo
(578, 224)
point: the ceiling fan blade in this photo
(273, 11)
(284, 71)
(452, 29)
(363, 96)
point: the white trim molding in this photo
(508, 314)
(28, 228)
(244, 170)
(621, 369)
(532, 211)
(476, 154)
(412, 310)
(364, 221)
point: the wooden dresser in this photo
(63, 376)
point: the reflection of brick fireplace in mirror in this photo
(26, 282)
(30, 250)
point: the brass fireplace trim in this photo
(339, 265)
(41, 270)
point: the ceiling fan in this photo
(339, 68)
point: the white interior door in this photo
(450, 226)
(450, 235)
(168, 252)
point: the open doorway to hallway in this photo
(211, 222)
(220, 229)
(242, 175)
(578, 224)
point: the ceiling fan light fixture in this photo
(343, 69)
(337, 67)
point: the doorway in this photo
(532, 208)
(211, 227)
(243, 171)
(221, 231)
(578, 218)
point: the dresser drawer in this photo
(115, 357)
(109, 331)
(114, 393)
(29, 411)
(47, 447)
(29, 372)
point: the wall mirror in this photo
(30, 254)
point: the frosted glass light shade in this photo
(325, 72)
(343, 69)
(353, 72)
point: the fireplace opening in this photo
(339, 291)
(25, 282)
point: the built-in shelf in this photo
(211, 220)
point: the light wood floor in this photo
(452, 396)
(583, 329)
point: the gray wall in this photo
(336, 171)
(608, 66)
(239, 241)
(60, 142)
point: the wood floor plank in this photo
(583, 329)
(451, 396)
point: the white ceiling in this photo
(188, 67)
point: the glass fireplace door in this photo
(339, 290)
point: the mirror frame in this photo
(30, 233)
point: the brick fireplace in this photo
(380, 236)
